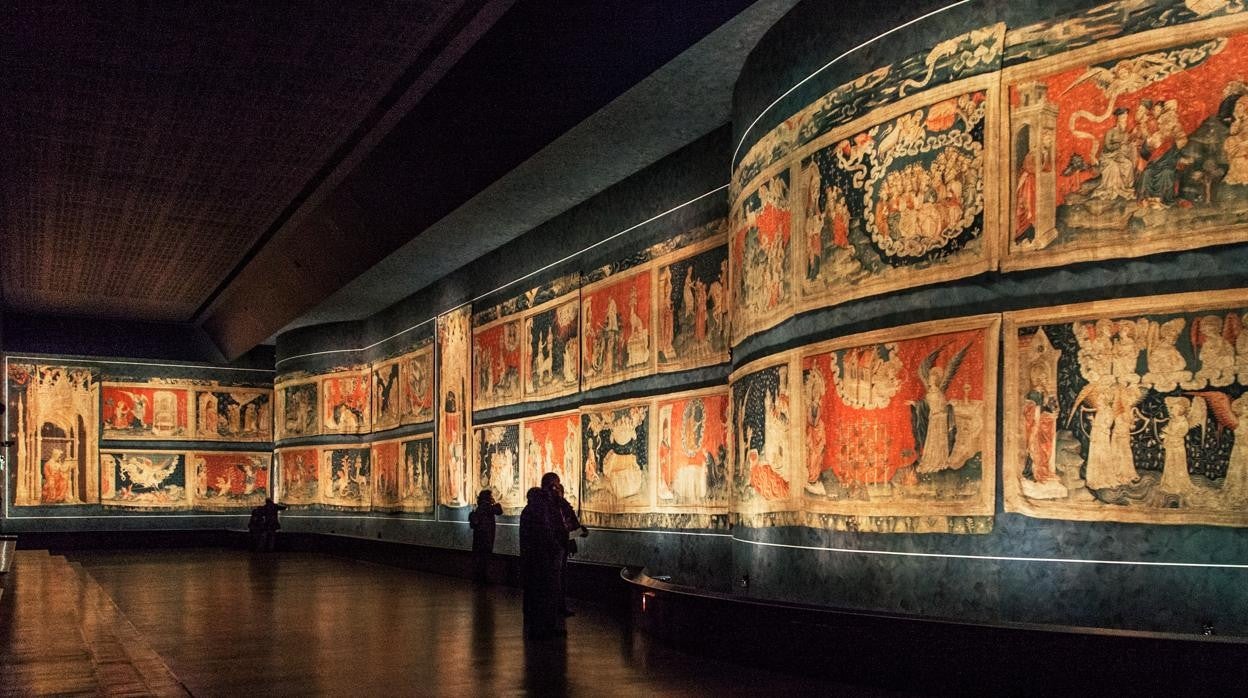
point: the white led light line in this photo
(996, 558)
(829, 64)
(513, 281)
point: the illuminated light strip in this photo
(516, 280)
(114, 362)
(829, 64)
(998, 558)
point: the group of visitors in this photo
(548, 530)
(549, 527)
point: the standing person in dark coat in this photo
(483, 527)
(571, 525)
(264, 525)
(541, 546)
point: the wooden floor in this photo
(223, 622)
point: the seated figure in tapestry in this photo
(763, 474)
(615, 449)
(1113, 157)
(900, 199)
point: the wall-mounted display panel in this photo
(160, 410)
(552, 344)
(346, 476)
(54, 421)
(299, 476)
(496, 361)
(1128, 147)
(385, 474)
(346, 402)
(230, 479)
(1130, 410)
(761, 257)
(416, 475)
(616, 457)
(454, 345)
(416, 396)
(900, 198)
(151, 480)
(691, 305)
(497, 450)
(387, 408)
(552, 444)
(298, 408)
(617, 329)
(227, 413)
(764, 454)
(691, 452)
(898, 429)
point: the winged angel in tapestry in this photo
(1130, 155)
(1138, 416)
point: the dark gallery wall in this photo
(1017, 568)
(823, 68)
(660, 194)
(1030, 570)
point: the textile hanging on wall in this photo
(1130, 410)
(456, 483)
(898, 428)
(54, 421)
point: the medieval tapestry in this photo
(230, 480)
(224, 413)
(898, 428)
(497, 449)
(615, 455)
(416, 396)
(299, 476)
(416, 475)
(298, 408)
(691, 302)
(496, 364)
(616, 329)
(54, 420)
(973, 52)
(552, 444)
(692, 451)
(385, 394)
(144, 480)
(346, 476)
(346, 402)
(552, 344)
(764, 461)
(155, 410)
(385, 466)
(1129, 410)
(1129, 147)
(902, 202)
(760, 258)
(455, 480)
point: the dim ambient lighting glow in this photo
(513, 282)
(829, 64)
(995, 558)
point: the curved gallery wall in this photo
(962, 336)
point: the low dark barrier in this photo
(940, 656)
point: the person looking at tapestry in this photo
(541, 547)
(571, 525)
(264, 525)
(483, 526)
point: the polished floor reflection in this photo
(225, 622)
